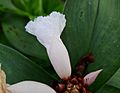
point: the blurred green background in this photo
(92, 26)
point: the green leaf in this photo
(18, 67)
(7, 7)
(108, 89)
(113, 85)
(55, 5)
(115, 80)
(80, 15)
(93, 26)
(3, 39)
(33, 7)
(105, 43)
(20, 39)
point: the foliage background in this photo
(92, 26)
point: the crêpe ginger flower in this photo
(48, 29)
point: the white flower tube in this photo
(48, 30)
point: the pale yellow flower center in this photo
(3, 85)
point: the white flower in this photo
(36, 87)
(47, 30)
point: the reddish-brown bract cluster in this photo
(83, 64)
(75, 83)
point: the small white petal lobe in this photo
(90, 78)
(30, 28)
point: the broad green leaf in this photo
(80, 15)
(14, 30)
(113, 85)
(54, 5)
(115, 80)
(108, 89)
(105, 43)
(19, 68)
(93, 26)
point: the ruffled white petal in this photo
(90, 78)
(44, 28)
(59, 58)
(30, 87)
